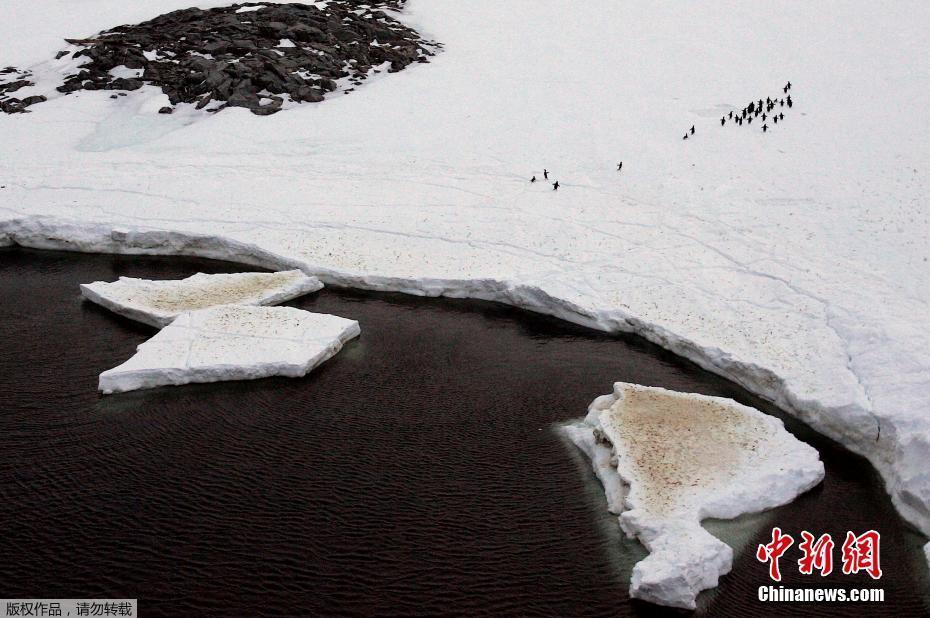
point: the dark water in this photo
(415, 473)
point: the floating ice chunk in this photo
(159, 302)
(683, 458)
(232, 342)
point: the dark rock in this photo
(216, 47)
(61, 55)
(122, 83)
(244, 45)
(204, 101)
(166, 110)
(18, 106)
(307, 94)
(14, 86)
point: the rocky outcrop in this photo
(17, 81)
(245, 55)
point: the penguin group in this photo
(765, 111)
(555, 185)
(770, 109)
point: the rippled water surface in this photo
(417, 472)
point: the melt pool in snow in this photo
(668, 460)
(232, 342)
(159, 302)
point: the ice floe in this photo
(668, 460)
(159, 302)
(232, 342)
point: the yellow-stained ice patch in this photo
(209, 292)
(676, 446)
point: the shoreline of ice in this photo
(856, 428)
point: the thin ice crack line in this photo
(828, 309)
(178, 200)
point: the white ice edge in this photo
(115, 296)
(684, 558)
(151, 367)
(49, 232)
(912, 500)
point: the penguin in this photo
(788, 100)
(785, 89)
(555, 186)
(782, 102)
(731, 114)
(723, 121)
(686, 136)
(619, 166)
(749, 120)
(692, 129)
(533, 179)
(781, 116)
(763, 117)
(788, 86)
(765, 128)
(546, 174)
(775, 119)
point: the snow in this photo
(792, 262)
(159, 302)
(686, 457)
(125, 72)
(232, 342)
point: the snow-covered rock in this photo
(232, 342)
(159, 302)
(794, 262)
(682, 458)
